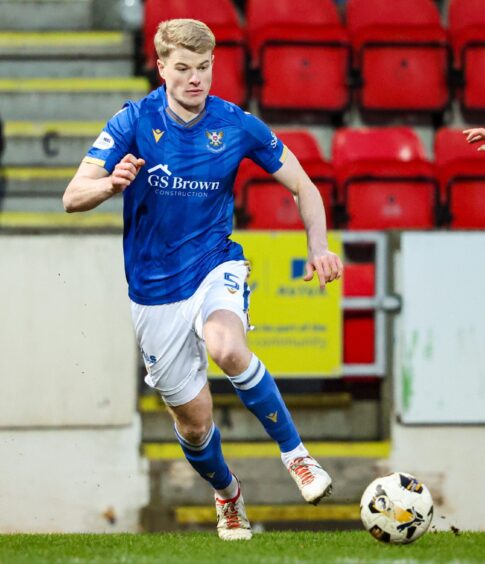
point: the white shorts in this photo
(170, 335)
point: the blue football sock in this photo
(259, 393)
(207, 458)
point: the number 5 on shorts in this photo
(230, 282)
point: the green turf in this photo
(266, 548)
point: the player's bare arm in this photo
(321, 260)
(474, 135)
(92, 184)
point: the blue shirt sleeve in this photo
(265, 149)
(115, 141)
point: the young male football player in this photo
(174, 156)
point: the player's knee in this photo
(195, 433)
(225, 339)
(228, 356)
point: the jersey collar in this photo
(187, 124)
(177, 119)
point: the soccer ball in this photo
(396, 508)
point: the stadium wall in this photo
(438, 428)
(449, 460)
(69, 431)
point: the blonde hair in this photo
(193, 35)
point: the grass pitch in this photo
(266, 548)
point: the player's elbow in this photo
(68, 203)
(69, 197)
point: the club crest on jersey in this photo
(215, 144)
(157, 134)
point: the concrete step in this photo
(54, 68)
(118, 14)
(86, 99)
(317, 417)
(67, 54)
(36, 182)
(326, 516)
(196, 514)
(95, 220)
(41, 190)
(41, 144)
(66, 44)
(51, 204)
(259, 467)
(179, 496)
(46, 14)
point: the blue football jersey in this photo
(178, 213)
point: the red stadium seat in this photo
(401, 53)
(359, 279)
(302, 54)
(230, 53)
(358, 326)
(466, 20)
(359, 339)
(461, 171)
(384, 179)
(262, 203)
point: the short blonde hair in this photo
(193, 35)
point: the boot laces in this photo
(301, 468)
(231, 515)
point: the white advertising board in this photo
(440, 365)
(68, 353)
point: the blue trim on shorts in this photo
(246, 293)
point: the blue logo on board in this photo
(297, 268)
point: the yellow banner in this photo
(298, 328)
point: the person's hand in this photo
(474, 135)
(327, 265)
(125, 172)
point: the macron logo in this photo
(163, 167)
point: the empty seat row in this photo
(378, 178)
(359, 325)
(391, 56)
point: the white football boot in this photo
(311, 478)
(232, 522)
